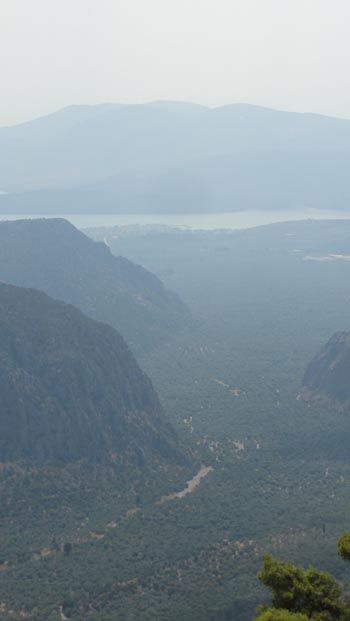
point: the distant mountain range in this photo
(173, 157)
(53, 256)
(71, 389)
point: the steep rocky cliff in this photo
(70, 388)
(327, 377)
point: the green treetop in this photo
(299, 595)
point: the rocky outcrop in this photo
(327, 377)
(71, 389)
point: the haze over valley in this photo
(174, 310)
(240, 317)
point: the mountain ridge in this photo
(55, 257)
(66, 161)
(71, 388)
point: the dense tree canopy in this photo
(344, 546)
(275, 614)
(299, 594)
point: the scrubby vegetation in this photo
(281, 474)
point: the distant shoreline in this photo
(202, 221)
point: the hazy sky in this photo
(290, 54)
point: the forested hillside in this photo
(270, 472)
(267, 299)
(84, 445)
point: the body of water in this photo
(207, 221)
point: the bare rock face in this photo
(71, 389)
(327, 377)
